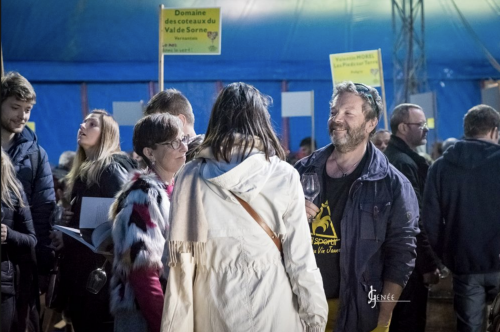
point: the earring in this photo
(153, 162)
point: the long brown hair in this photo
(90, 170)
(240, 119)
(10, 184)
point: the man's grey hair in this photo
(369, 111)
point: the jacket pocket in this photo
(8, 278)
(373, 220)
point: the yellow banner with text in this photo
(358, 67)
(190, 31)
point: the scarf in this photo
(188, 223)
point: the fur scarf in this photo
(140, 230)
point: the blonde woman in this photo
(99, 170)
(18, 238)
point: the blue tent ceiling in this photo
(64, 43)
(279, 36)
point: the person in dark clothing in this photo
(172, 101)
(409, 128)
(381, 139)
(33, 171)
(364, 221)
(99, 170)
(60, 171)
(18, 239)
(462, 217)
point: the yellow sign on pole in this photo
(31, 125)
(190, 31)
(360, 67)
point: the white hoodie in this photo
(246, 286)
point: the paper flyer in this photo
(94, 211)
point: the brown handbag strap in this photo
(261, 223)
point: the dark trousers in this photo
(411, 316)
(90, 314)
(472, 291)
(8, 312)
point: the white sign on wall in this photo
(297, 103)
(127, 113)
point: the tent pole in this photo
(382, 86)
(313, 146)
(285, 123)
(161, 78)
(1, 56)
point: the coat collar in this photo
(375, 169)
(398, 143)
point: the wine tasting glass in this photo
(310, 185)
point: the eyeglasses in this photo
(175, 144)
(421, 126)
(365, 90)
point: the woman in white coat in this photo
(227, 273)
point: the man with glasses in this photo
(364, 221)
(409, 130)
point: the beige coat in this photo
(244, 284)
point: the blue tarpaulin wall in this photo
(112, 47)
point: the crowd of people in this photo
(213, 232)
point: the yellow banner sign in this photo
(190, 31)
(31, 125)
(358, 67)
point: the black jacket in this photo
(415, 168)
(39, 188)
(78, 261)
(461, 207)
(20, 243)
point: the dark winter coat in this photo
(20, 243)
(415, 168)
(78, 261)
(39, 188)
(461, 207)
(379, 226)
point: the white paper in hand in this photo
(94, 211)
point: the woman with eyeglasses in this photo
(99, 170)
(18, 239)
(140, 225)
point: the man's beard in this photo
(352, 139)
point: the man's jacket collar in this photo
(401, 145)
(375, 169)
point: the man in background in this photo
(462, 217)
(172, 101)
(381, 138)
(409, 128)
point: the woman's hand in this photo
(57, 240)
(4, 233)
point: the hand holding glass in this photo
(310, 185)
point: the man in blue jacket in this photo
(462, 217)
(365, 219)
(32, 168)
